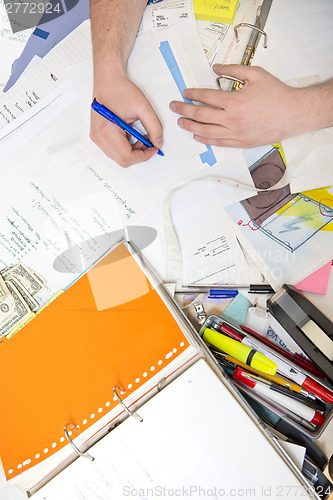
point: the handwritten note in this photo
(211, 253)
(52, 71)
(163, 15)
(59, 194)
(220, 11)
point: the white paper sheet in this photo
(188, 203)
(299, 52)
(36, 84)
(293, 51)
(211, 253)
(163, 15)
(195, 421)
(189, 55)
(296, 453)
(153, 76)
(59, 194)
(29, 123)
(147, 69)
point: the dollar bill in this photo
(37, 275)
(4, 292)
(13, 310)
(32, 303)
(30, 280)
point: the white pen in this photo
(268, 394)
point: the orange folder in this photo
(109, 328)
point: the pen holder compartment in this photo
(213, 322)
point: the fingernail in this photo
(181, 122)
(173, 106)
(217, 67)
(159, 142)
(185, 93)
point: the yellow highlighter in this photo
(242, 352)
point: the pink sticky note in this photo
(317, 282)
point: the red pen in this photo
(235, 334)
(283, 368)
(268, 394)
(298, 360)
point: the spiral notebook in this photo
(111, 328)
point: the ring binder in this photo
(253, 27)
(226, 77)
(71, 442)
(130, 413)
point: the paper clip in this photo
(129, 412)
(79, 452)
(253, 27)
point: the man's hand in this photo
(127, 101)
(114, 25)
(264, 111)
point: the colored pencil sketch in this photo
(289, 219)
(287, 235)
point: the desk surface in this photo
(38, 46)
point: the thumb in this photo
(152, 125)
(236, 70)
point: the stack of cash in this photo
(19, 286)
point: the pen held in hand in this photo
(109, 115)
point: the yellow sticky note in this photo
(219, 11)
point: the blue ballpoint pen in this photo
(222, 294)
(109, 115)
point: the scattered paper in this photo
(59, 196)
(163, 15)
(211, 253)
(307, 155)
(218, 39)
(49, 73)
(295, 452)
(11, 45)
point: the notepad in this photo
(220, 11)
(194, 440)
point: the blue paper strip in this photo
(166, 51)
(41, 33)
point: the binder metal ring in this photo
(226, 77)
(121, 402)
(253, 27)
(77, 450)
